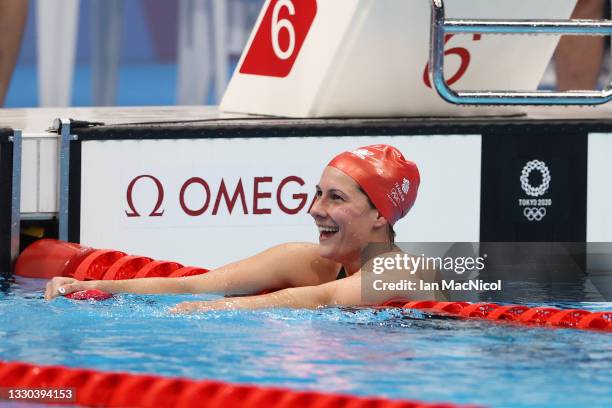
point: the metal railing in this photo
(440, 26)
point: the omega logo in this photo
(235, 200)
(130, 197)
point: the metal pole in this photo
(64, 173)
(16, 197)
(440, 26)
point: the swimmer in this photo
(360, 196)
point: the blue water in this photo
(391, 353)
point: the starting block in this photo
(369, 58)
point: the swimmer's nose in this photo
(316, 209)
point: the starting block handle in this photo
(440, 26)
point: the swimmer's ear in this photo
(380, 221)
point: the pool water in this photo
(389, 352)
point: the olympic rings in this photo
(543, 187)
(534, 213)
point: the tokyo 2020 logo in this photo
(534, 209)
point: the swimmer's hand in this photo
(64, 286)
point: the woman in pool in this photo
(360, 196)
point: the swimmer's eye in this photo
(333, 196)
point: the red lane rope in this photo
(537, 316)
(49, 258)
(115, 389)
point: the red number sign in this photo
(279, 38)
(462, 53)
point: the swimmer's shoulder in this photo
(313, 269)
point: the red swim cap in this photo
(385, 175)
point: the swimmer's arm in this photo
(344, 292)
(210, 282)
(283, 266)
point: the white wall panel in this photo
(48, 176)
(599, 187)
(29, 176)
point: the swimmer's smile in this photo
(327, 231)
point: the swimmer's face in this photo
(345, 219)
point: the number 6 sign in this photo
(279, 38)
